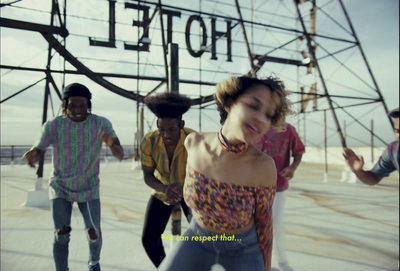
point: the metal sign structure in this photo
(123, 46)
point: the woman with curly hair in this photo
(230, 184)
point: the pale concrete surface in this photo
(329, 226)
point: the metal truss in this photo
(215, 38)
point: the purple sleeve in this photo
(108, 129)
(46, 138)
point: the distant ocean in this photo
(13, 154)
(312, 155)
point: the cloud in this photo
(378, 36)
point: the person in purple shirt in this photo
(387, 163)
(76, 137)
(281, 146)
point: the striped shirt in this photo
(388, 162)
(76, 154)
(154, 154)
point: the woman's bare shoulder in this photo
(264, 168)
(196, 138)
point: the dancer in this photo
(281, 146)
(230, 184)
(387, 163)
(163, 157)
(77, 138)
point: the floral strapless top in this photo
(223, 206)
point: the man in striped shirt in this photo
(76, 137)
(163, 158)
(387, 163)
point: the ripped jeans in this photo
(62, 210)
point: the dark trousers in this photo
(155, 222)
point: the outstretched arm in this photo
(356, 164)
(114, 144)
(32, 157)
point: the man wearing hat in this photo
(163, 158)
(387, 163)
(76, 137)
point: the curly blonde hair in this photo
(230, 90)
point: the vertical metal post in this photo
(176, 217)
(326, 148)
(165, 49)
(173, 83)
(344, 129)
(200, 72)
(316, 65)
(138, 138)
(12, 155)
(137, 141)
(65, 41)
(173, 67)
(141, 124)
(372, 141)
(39, 171)
(176, 220)
(305, 131)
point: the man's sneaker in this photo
(95, 267)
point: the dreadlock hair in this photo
(231, 89)
(168, 105)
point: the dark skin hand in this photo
(356, 165)
(174, 193)
(32, 157)
(288, 172)
(113, 144)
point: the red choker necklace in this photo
(235, 148)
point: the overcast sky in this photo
(376, 23)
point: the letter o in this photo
(187, 35)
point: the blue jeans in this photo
(234, 252)
(62, 210)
